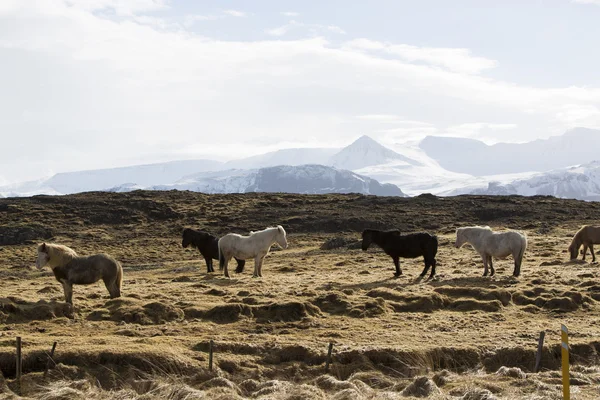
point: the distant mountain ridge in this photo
(580, 182)
(300, 156)
(234, 176)
(577, 146)
(363, 166)
(302, 179)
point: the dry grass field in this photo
(459, 336)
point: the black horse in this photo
(208, 246)
(407, 246)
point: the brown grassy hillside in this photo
(458, 336)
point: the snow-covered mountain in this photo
(364, 166)
(219, 177)
(577, 146)
(103, 179)
(299, 156)
(361, 153)
(365, 152)
(581, 182)
(305, 179)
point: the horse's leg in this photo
(585, 247)
(240, 265)
(225, 263)
(209, 264)
(485, 264)
(112, 287)
(433, 264)
(592, 251)
(68, 289)
(260, 265)
(257, 261)
(397, 265)
(491, 263)
(427, 263)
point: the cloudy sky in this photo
(97, 83)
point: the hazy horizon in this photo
(106, 83)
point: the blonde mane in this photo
(576, 241)
(58, 254)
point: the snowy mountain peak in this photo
(365, 152)
(366, 141)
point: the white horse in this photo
(256, 246)
(493, 244)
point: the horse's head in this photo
(281, 237)
(573, 250)
(43, 256)
(186, 238)
(366, 239)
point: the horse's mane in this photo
(378, 230)
(577, 238)
(192, 233)
(58, 254)
(278, 227)
(487, 228)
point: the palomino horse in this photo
(587, 236)
(493, 244)
(407, 246)
(70, 269)
(207, 245)
(256, 246)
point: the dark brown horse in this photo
(208, 246)
(406, 246)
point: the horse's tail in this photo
(523, 248)
(434, 239)
(221, 257)
(119, 279)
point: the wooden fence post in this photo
(328, 360)
(538, 357)
(565, 362)
(50, 359)
(19, 363)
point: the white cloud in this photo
(336, 29)
(390, 119)
(315, 29)
(290, 13)
(190, 20)
(453, 59)
(282, 30)
(484, 131)
(235, 13)
(101, 90)
(597, 2)
(120, 7)
(578, 114)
